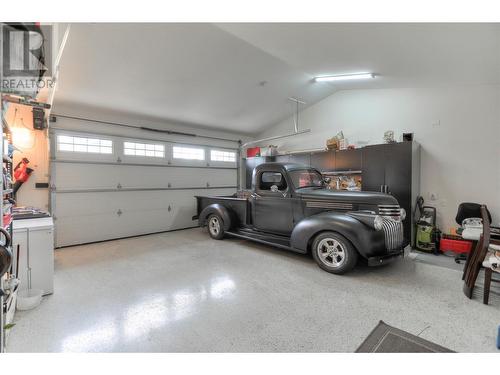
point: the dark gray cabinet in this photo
(348, 160)
(373, 167)
(394, 169)
(282, 158)
(323, 160)
(302, 158)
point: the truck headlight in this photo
(378, 222)
(402, 213)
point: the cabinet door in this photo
(374, 159)
(398, 177)
(398, 169)
(323, 161)
(283, 158)
(303, 159)
(41, 259)
(348, 160)
(20, 237)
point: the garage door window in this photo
(225, 156)
(84, 144)
(144, 149)
(188, 153)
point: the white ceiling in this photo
(211, 75)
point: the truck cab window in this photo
(306, 178)
(272, 181)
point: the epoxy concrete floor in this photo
(183, 292)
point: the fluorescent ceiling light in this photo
(344, 77)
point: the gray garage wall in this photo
(458, 128)
(104, 114)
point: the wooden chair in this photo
(468, 210)
(487, 284)
(474, 262)
(488, 273)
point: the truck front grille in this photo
(389, 210)
(393, 233)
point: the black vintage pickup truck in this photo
(291, 207)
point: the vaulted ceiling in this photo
(238, 76)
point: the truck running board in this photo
(266, 239)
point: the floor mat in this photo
(387, 339)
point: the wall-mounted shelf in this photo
(24, 100)
(337, 173)
(6, 210)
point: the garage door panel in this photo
(71, 204)
(100, 195)
(89, 217)
(75, 176)
(76, 230)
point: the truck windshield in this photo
(306, 178)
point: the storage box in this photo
(253, 151)
(269, 151)
(332, 143)
(457, 246)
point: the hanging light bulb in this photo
(22, 136)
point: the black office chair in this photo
(467, 210)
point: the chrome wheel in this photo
(331, 252)
(214, 226)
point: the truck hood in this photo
(364, 197)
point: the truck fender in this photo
(366, 240)
(216, 208)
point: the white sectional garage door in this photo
(107, 187)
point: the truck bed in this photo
(237, 205)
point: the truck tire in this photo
(215, 227)
(334, 253)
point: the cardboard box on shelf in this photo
(332, 143)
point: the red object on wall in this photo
(21, 172)
(457, 246)
(253, 151)
(7, 219)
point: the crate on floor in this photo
(455, 244)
